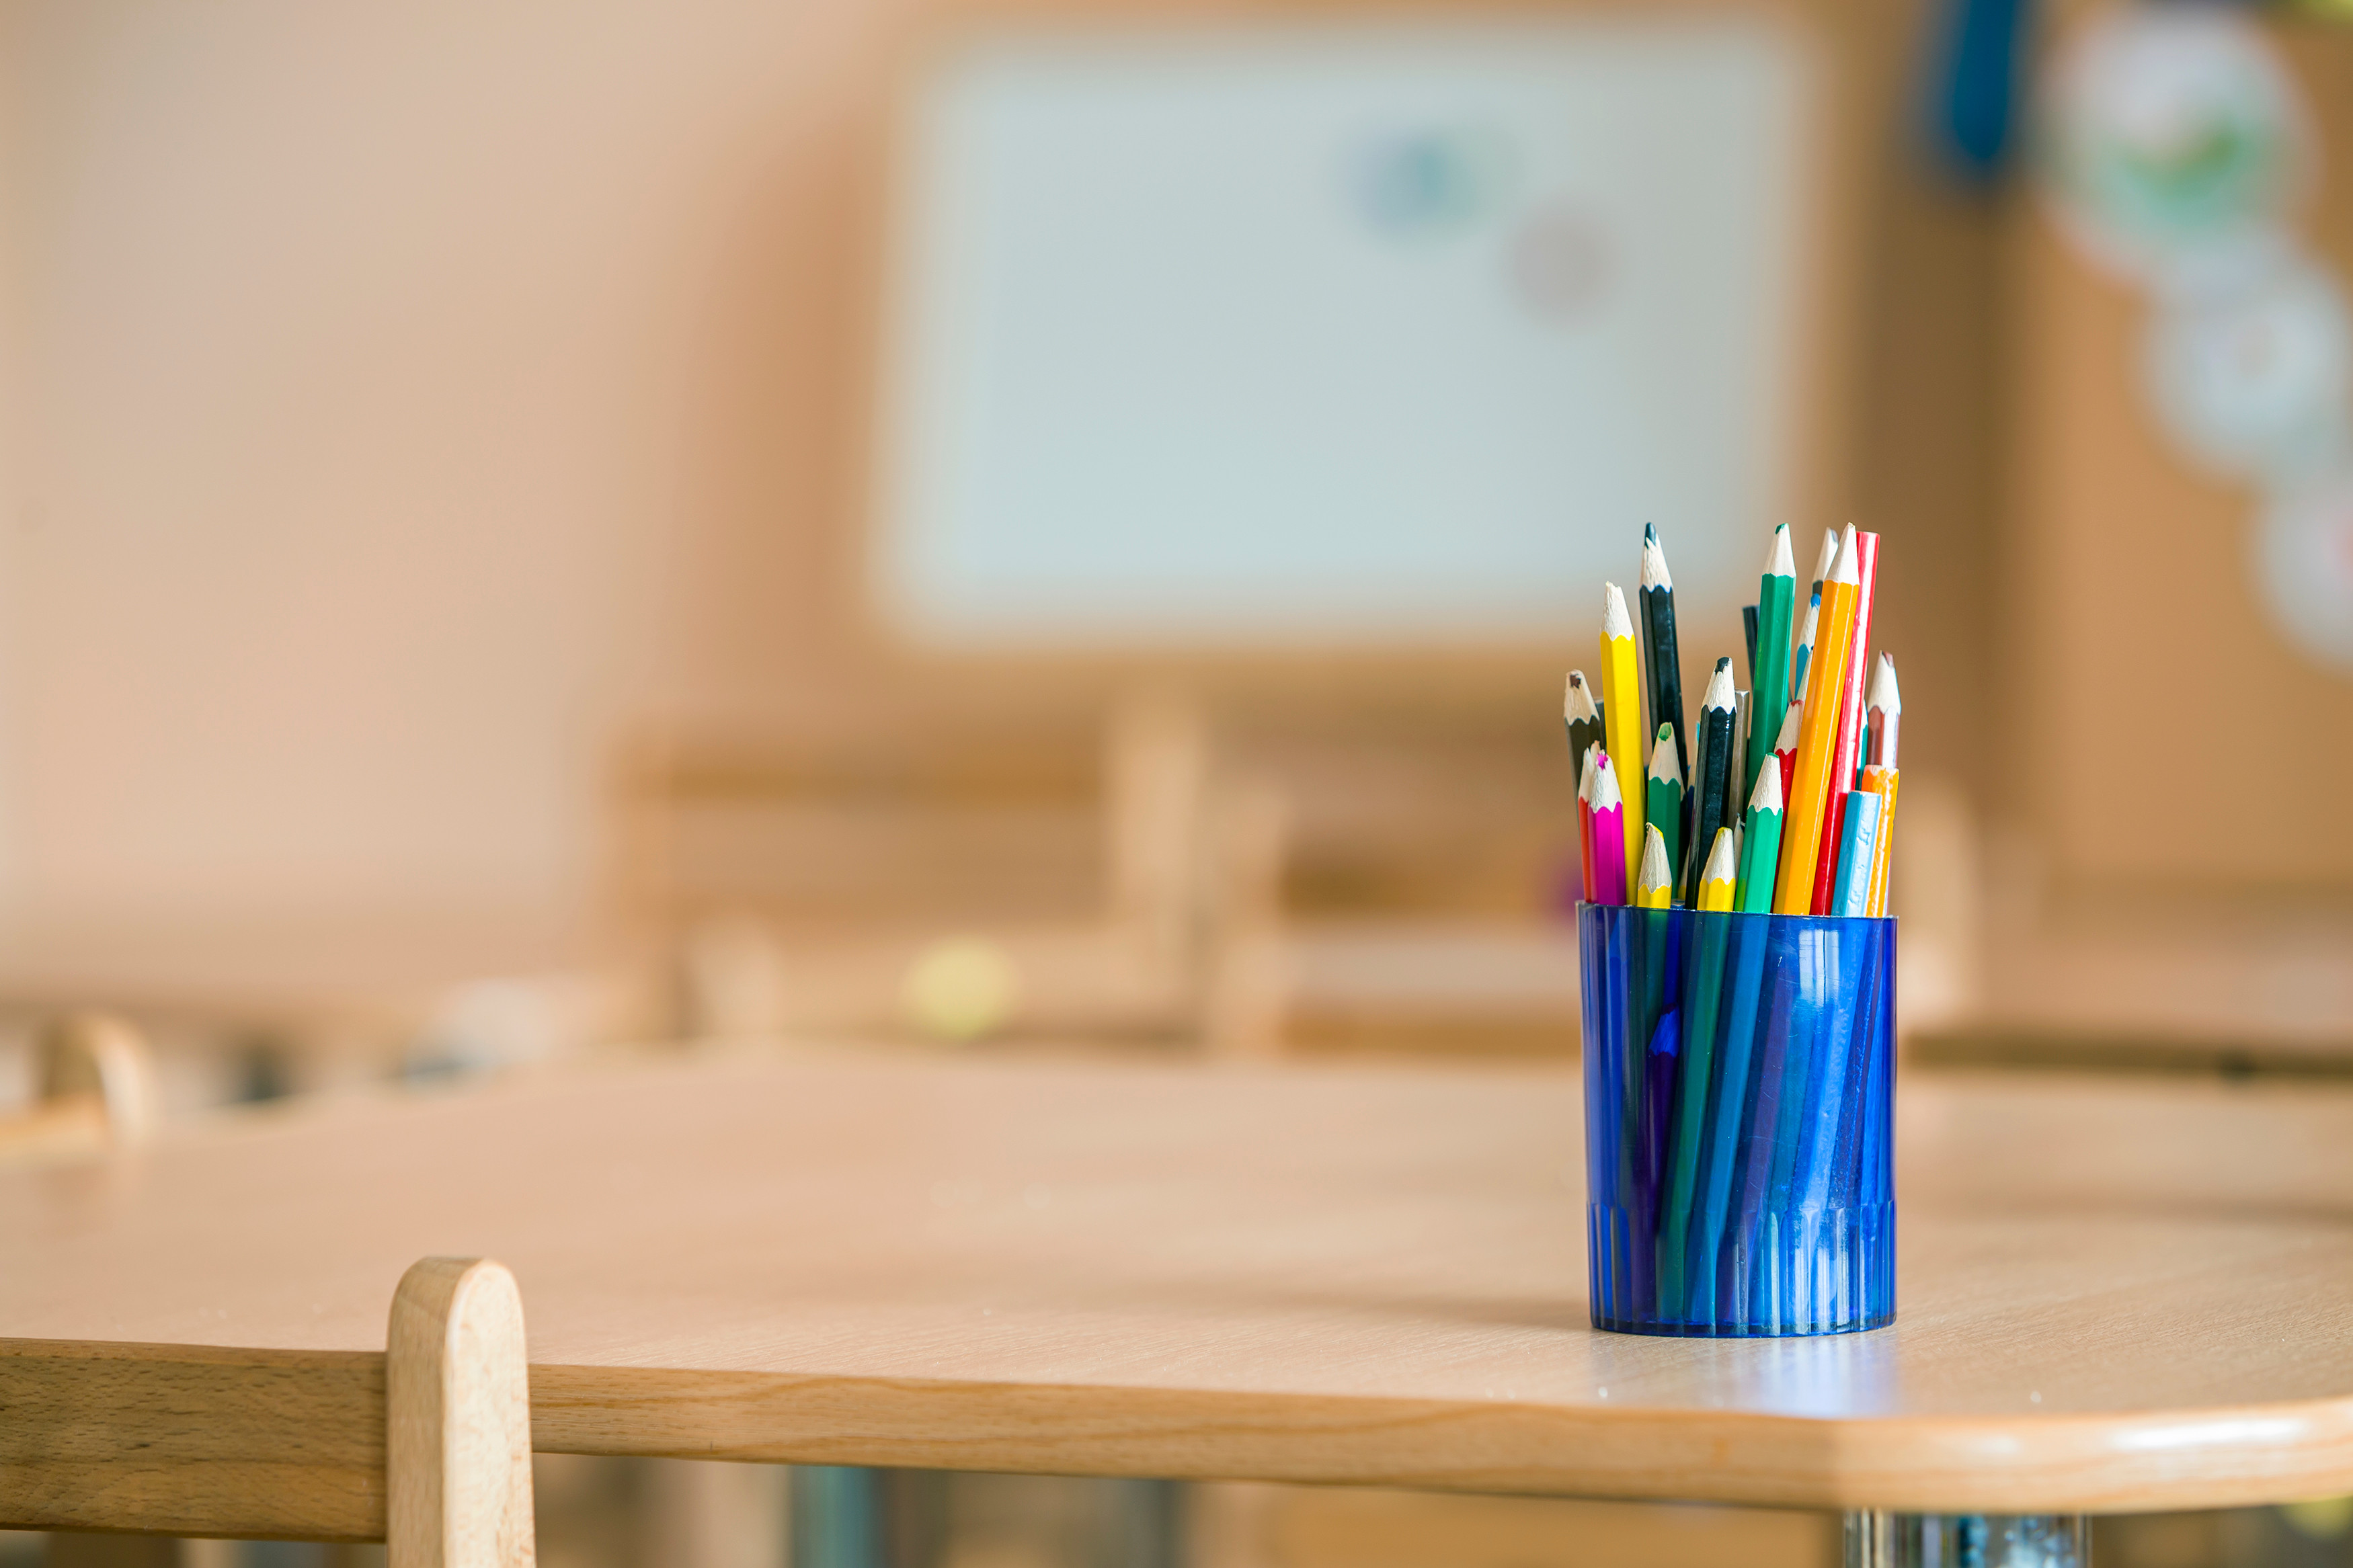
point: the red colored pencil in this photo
(1785, 744)
(1608, 832)
(1843, 758)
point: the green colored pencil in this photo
(1776, 607)
(1703, 995)
(1760, 845)
(1662, 798)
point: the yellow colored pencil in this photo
(1801, 823)
(1622, 712)
(1720, 881)
(1656, 888)
(1884, 781)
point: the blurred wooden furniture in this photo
(425, 1445)
(239, 1010)
(94, 1089)
(2114, 1298)
(955, 880)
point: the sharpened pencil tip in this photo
(1666, 767)
(1828, 553)
(1719, 687)
(1615, 621)
(1576, 702)
(1767, 796)
(1654, 562)
(1658, 878)
(1719, 859)
(1885, 695)
(1777, 563)
(1793, 723)
(1605, 792)
(1584, 775)
(1845, 569)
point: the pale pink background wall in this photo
(385, 376)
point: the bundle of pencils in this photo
(1789, 789)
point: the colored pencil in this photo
(1777, 604)
(1660, 654)
(1663, 794)
(1748, 634)
(1621, 696)
(1727, 1112)
(1760, 849)
(1656, 887)
(1801, 823)
(1785, 746)
(1719, 882)
(1858, 853)
(1585, 827)
(1701, 998)
(1882, 782)
(1823, 559)
(1608, 832)
(1846, 753)
(1886, 707)
(1579, 712)
(1715, 773)
(1801, 660)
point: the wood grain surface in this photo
(2113, 1295)
(458, 1419)
(186, 1440)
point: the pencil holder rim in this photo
(1887, 921)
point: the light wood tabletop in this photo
(2114, 1295)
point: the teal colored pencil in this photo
(1802, 661)
(1776, 605)
(1702, 994)
(1760, 845)
(1727, 1121)
(1662, 797)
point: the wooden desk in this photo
(2114, 1295)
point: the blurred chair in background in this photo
(945, 884)
(94, 1089)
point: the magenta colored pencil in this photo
(1608, 832)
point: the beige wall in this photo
(375, 357)
(419, 395)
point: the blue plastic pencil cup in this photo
(1739, 1080)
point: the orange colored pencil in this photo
(1846, 754)
(1802, 827)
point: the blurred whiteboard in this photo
(1355, 335)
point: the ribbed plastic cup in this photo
(1739, 1084)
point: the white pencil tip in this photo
(1767, 796)
(1654, 563)
(1605, 792)
(1885, 695)
(1719, 859)
(1791, 724)
(1584, 775)
(1828, 553)
(1656, 875)
(1576, 701)
(1844, 569)
(1615, 621)
(1719, 687)
(1665, 767)
(1777, 563)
